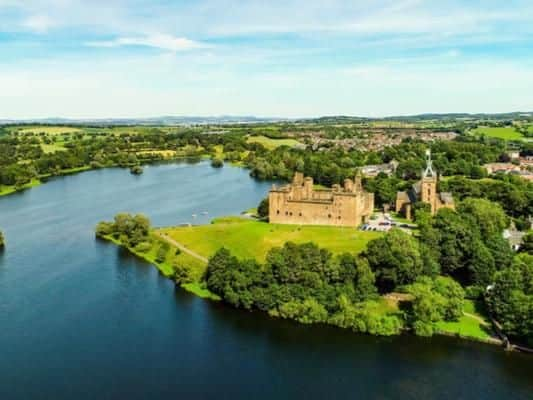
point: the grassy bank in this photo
(173, 259)
(5, 190)
(472, 325)
(252, 239)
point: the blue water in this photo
(83, 319)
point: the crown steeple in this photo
(429, 172)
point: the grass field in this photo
(471, 325)
(506, 133)
(252, 239)
(272, 143)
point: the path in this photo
(168, 239)
(477, 318)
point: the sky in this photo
(291, 58)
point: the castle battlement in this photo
(299, 203)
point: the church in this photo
(424, 191)
(300, 203)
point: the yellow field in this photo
(50, 130)
(164, 153)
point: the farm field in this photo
(51, 148)
(252, 239)
(272, 143)
(50, 130)
(506, 133)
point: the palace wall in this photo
(299, 204)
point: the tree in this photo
(434, 300)
(263, 208)
(104, 228)
(527, 244)
(510, 299)
(395, 259)
(162, 253)
(2, 240)
(485, 214)
(136, 170)
(217, 163)
(131, 230)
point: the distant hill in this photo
(164, 120)
(232, 119)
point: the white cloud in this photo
(165, 42)
(38, 23)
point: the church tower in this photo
(428, 185)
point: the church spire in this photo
(429, 173)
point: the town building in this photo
(301, 204)
(493, 168)
(371, 171)
(424, 191)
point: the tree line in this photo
(455, 254)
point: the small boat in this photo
(204, 213)
(194, 215)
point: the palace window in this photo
(300, 214)
(329, 215)
(277, 212)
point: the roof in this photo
(446, 197)
(403, 196)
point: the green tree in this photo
(395, 259)
(434, 301)
(527, 244)
(510, 299)
(217, 163)
(263, 208)
(485, 214)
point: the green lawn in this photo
(473, 325)
(272, 143)
(506, 133)
(252, 239)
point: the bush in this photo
(162, 253)
(143, 247)
(182, 274)
(136, 170)
(104, 228)
(217, 163)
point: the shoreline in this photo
(166, 270)
(199, 289)
(6, 190)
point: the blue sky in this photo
(292, 58)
